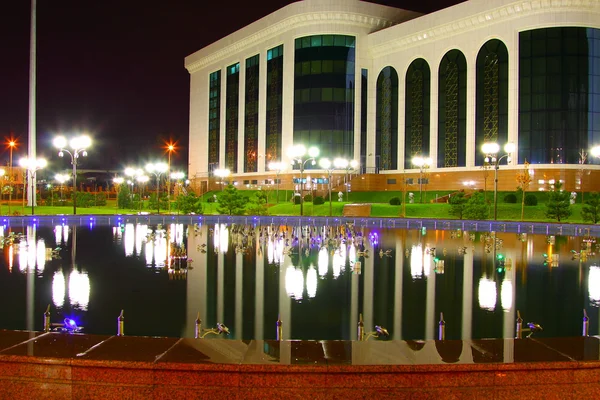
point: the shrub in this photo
(531, 199)
(297, 199)
(510, 198)
(308, 198)
(210, 199)
(395, 201)
(318, 200)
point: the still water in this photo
(317, 279)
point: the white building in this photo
(382, 85)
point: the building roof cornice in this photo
(478, 14)
(278, 23)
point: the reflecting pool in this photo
(318, 279)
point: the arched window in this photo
(452, 110)
(386, 136)
(492, 96)
(418, 85)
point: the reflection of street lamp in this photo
(222, 173)
(300, 156)
(157, 169)
(32, 165)
(422, 163)
(327, 165)
(78, 146)
(277, 167)
(491, 156)
(348, 166)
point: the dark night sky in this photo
(115, 69)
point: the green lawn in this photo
(378, 201)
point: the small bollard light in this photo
(442, 328)
(198, 331)
(361, 328)
(47, 319)
(519, 334)
(121, 324)
(586, 323)
(279, 325)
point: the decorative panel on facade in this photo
(274, 104)
(251, 115)
(231, 116)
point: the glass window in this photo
(306, 68)
(305, 42)
(327, 94)
(339, 40)
(315, 41)
(327, 66)
(315, 67)
(327, 40)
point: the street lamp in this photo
(170, 148)
(222, 173)
(327, 165)
(347, 166)
(277, 167)
(157, 169)
(301, 156)
(79, 145)
(491, 149)
(595, 151)
(11, 145)
(422, 163)
(32, 165)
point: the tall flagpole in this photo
(32, 89)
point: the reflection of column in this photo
(259, 296)
(220, 287)
(285, 303)
(467, 301)
(430, 317)
(368, 276)
(508, 294)
(354, 306)
(399, 255)
(30, 271)
(239, 304)
(196, 283)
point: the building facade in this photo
(382, 85)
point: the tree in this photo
(476, 207)
(457, 204)
(258, 204)
(231, 201)
(559, 203)
(523, 179)
(164, 201)
(590, 211)
(124, 197)
(189, 203)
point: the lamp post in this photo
(277, 167)
(32, 165)
(142, 180)
(79, 145)
(327, 165)
(157, 169)
(170, 149)
(222, 173)
(61, 178)
(11, 145)
(422, 163)
(347, 166)
(117, 181)
(491, 149)
(299, 155)
(2, 172)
